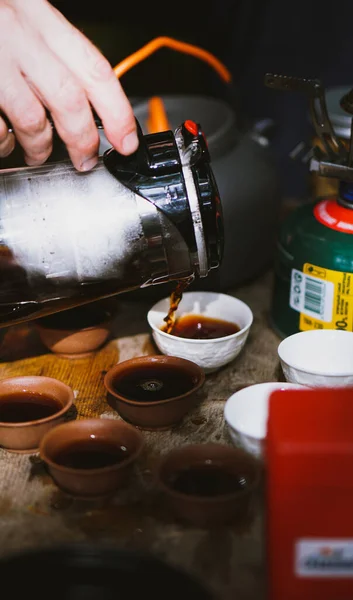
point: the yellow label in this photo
(328, 299)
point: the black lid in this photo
(158, 170)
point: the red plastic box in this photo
(309, 495)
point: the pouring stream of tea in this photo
(175, 299)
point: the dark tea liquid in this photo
(150, 384)
(206, 480)
(175, 299)
(199, 327)
(20, 407)
(91, 454)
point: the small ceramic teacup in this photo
(320, 357)
(154, 392)
(208, 484)
(91, 458)
(210, 354)
(29, 407)
(246, 413)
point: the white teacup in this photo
(246, 413)
(318, 358)
(209, 354)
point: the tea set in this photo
(93, 458)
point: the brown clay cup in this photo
(213, 510)
(75, 333)
(160, 414)
(97, 482)
(26, 436)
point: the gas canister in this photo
(313, 287)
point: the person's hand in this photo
(45, 62)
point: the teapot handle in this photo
(158, 119)
(130, 61)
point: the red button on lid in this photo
(191, 127)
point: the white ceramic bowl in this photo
(209, 354)
(246, 413)
(322, 357)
